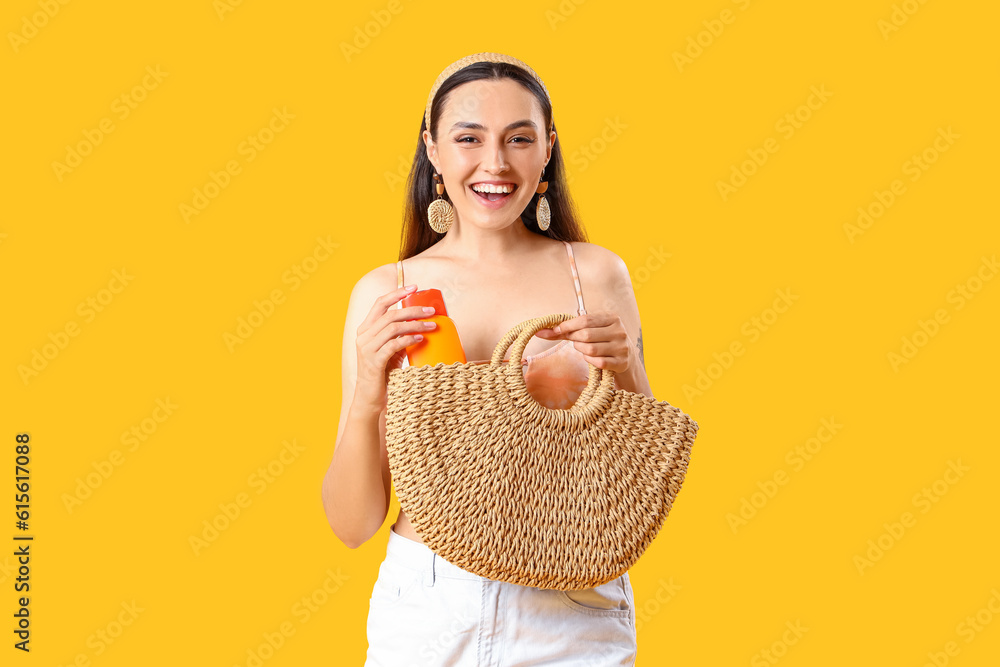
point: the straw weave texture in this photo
(511, 490)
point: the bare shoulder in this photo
(369, 287)
(604, 278)
(379, 280)
(597, 264)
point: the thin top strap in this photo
(399, 281)
(576, 278)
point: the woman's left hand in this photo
(600, 336)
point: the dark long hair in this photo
(417, 234)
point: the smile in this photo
(493, 195)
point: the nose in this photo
(495, 162)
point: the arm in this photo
(635, 380)
(356, 486)
(622, 301)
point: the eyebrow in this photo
(513, 126)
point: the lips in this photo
(493, 196)
(493, 200)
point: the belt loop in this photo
(429, 575)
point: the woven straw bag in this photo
(508, 489)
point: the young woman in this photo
(499, 258)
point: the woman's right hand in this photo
(383, 337)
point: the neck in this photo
(490, 247)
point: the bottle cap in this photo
(427, 297)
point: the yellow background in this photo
(332, 173)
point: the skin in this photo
(466, 155)
(493, 271)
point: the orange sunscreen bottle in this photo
(440, 344)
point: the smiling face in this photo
(491, 137)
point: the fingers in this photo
(398, 328)
(383, 303)
(549, 332)
(595, 328)
(385, 330)
(562, 329)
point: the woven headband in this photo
(487, 57)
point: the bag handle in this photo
(596, 396)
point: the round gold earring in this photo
(440, 213)
(542, 213)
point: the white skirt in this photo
(425, 611)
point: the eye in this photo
(520, 140)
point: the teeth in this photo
(482, 187)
